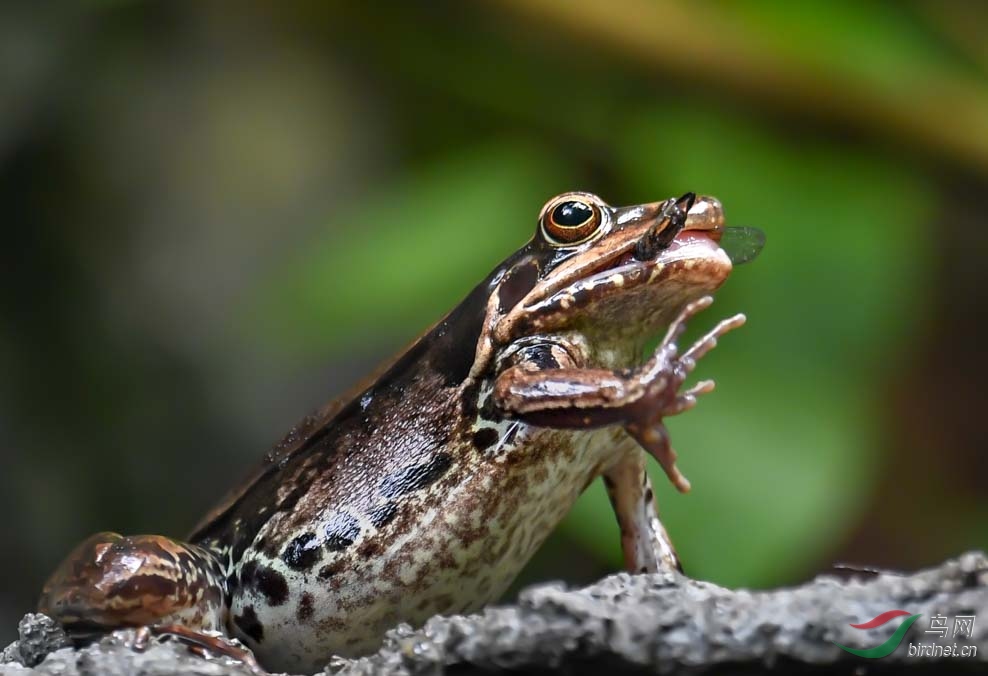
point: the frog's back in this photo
(305, 538)
(429, 373)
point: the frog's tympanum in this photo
(428, 489)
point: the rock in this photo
(11, 653)
(630, 624)
(39, 635)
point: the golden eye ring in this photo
(571, 220)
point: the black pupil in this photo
(571, 214)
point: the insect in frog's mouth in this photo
(672, 219)
(678, 241)
(686, 245)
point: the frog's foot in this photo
(202, 643)
(663, 375)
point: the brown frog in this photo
(429, 487)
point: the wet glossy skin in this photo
(429, 489)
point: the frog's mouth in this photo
(691, 265)
(686, 244)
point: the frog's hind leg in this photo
(112, 582)
(646, 545)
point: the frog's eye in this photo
(570, 221)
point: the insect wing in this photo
(742, 244)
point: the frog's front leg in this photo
(548, 386)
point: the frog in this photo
(428, 486)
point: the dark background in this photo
(217, 216)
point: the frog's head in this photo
(616, 273)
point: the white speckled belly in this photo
(450, 547)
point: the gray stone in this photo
(627, 624)
(11, 653)
(39, 635)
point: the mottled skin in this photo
(429, 489)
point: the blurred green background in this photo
(217, 216)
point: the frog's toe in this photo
(687, 400)
(210, 644)
(678, 325)
(709, 341)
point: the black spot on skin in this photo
(489, 411)
(306, 606)
(516, 284)
(383, 514)
(410, 479)
(484, 438)
(540, 356)
(341, 532)
(249, 624)
(271, 584)
(302, 553)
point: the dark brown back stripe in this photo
(382, 514)
(415, 477)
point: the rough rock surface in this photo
(623, 624)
